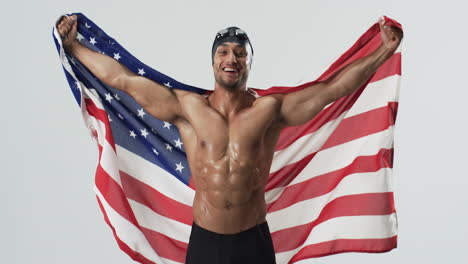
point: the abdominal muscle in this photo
(230, 195)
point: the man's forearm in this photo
(105, 68)
(358, 72)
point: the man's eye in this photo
(222, 52)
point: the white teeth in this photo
(229, 69)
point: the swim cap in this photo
(230, 34)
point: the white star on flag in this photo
(141, 71)
(110, 119)
(117, 56)
(168, 84)
(178, 143)
(144, 133)
(141, 113)
(120, 116)
(132, 134)
(79, 37)
(169, 147)
(109, 97)
(117, 97)
(92, 40)
(78, 85)
(179, 167)
(155, 151)
(167, 125)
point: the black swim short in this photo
(250, 246)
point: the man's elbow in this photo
(116, 81)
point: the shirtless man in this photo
(230, 136)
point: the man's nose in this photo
(232, 57)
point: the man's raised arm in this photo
(299, 107)
(157, 100)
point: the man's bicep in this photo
(157, 100)
(301, 106)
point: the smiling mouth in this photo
(231, 71)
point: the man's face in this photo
(231, 65)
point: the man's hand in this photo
(67, 27)
(391, 36)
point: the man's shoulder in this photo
(270, 101)
(270, 98)
(190, 98)
(188, 94)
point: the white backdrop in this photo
(48, 209)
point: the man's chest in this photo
(249, 131)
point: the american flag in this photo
(330, 188)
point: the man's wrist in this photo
(72, 46)
(385, 52)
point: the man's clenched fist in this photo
(67, 27)
(391, 36)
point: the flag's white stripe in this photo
(376, 95)
(127, 232)
(304, 145)
(168, 261)
(308, 210)
(109, 162)
(337, 157)
(347, 227)
(92, 94)
(98, 126)
(90, 121)
(108, 157)
(152, 220)
(154, 176)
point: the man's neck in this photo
(229, 102)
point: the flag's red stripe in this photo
(101, 115)
(192, 183)
(349, 129)
(351, 205)
(133, 254)
(286, 174)
(325, 183)
(156, 201)
(362, 125)
(391, 67)
(165, 246)
(376, 245)
(113, 193)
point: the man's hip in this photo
(250, 246)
